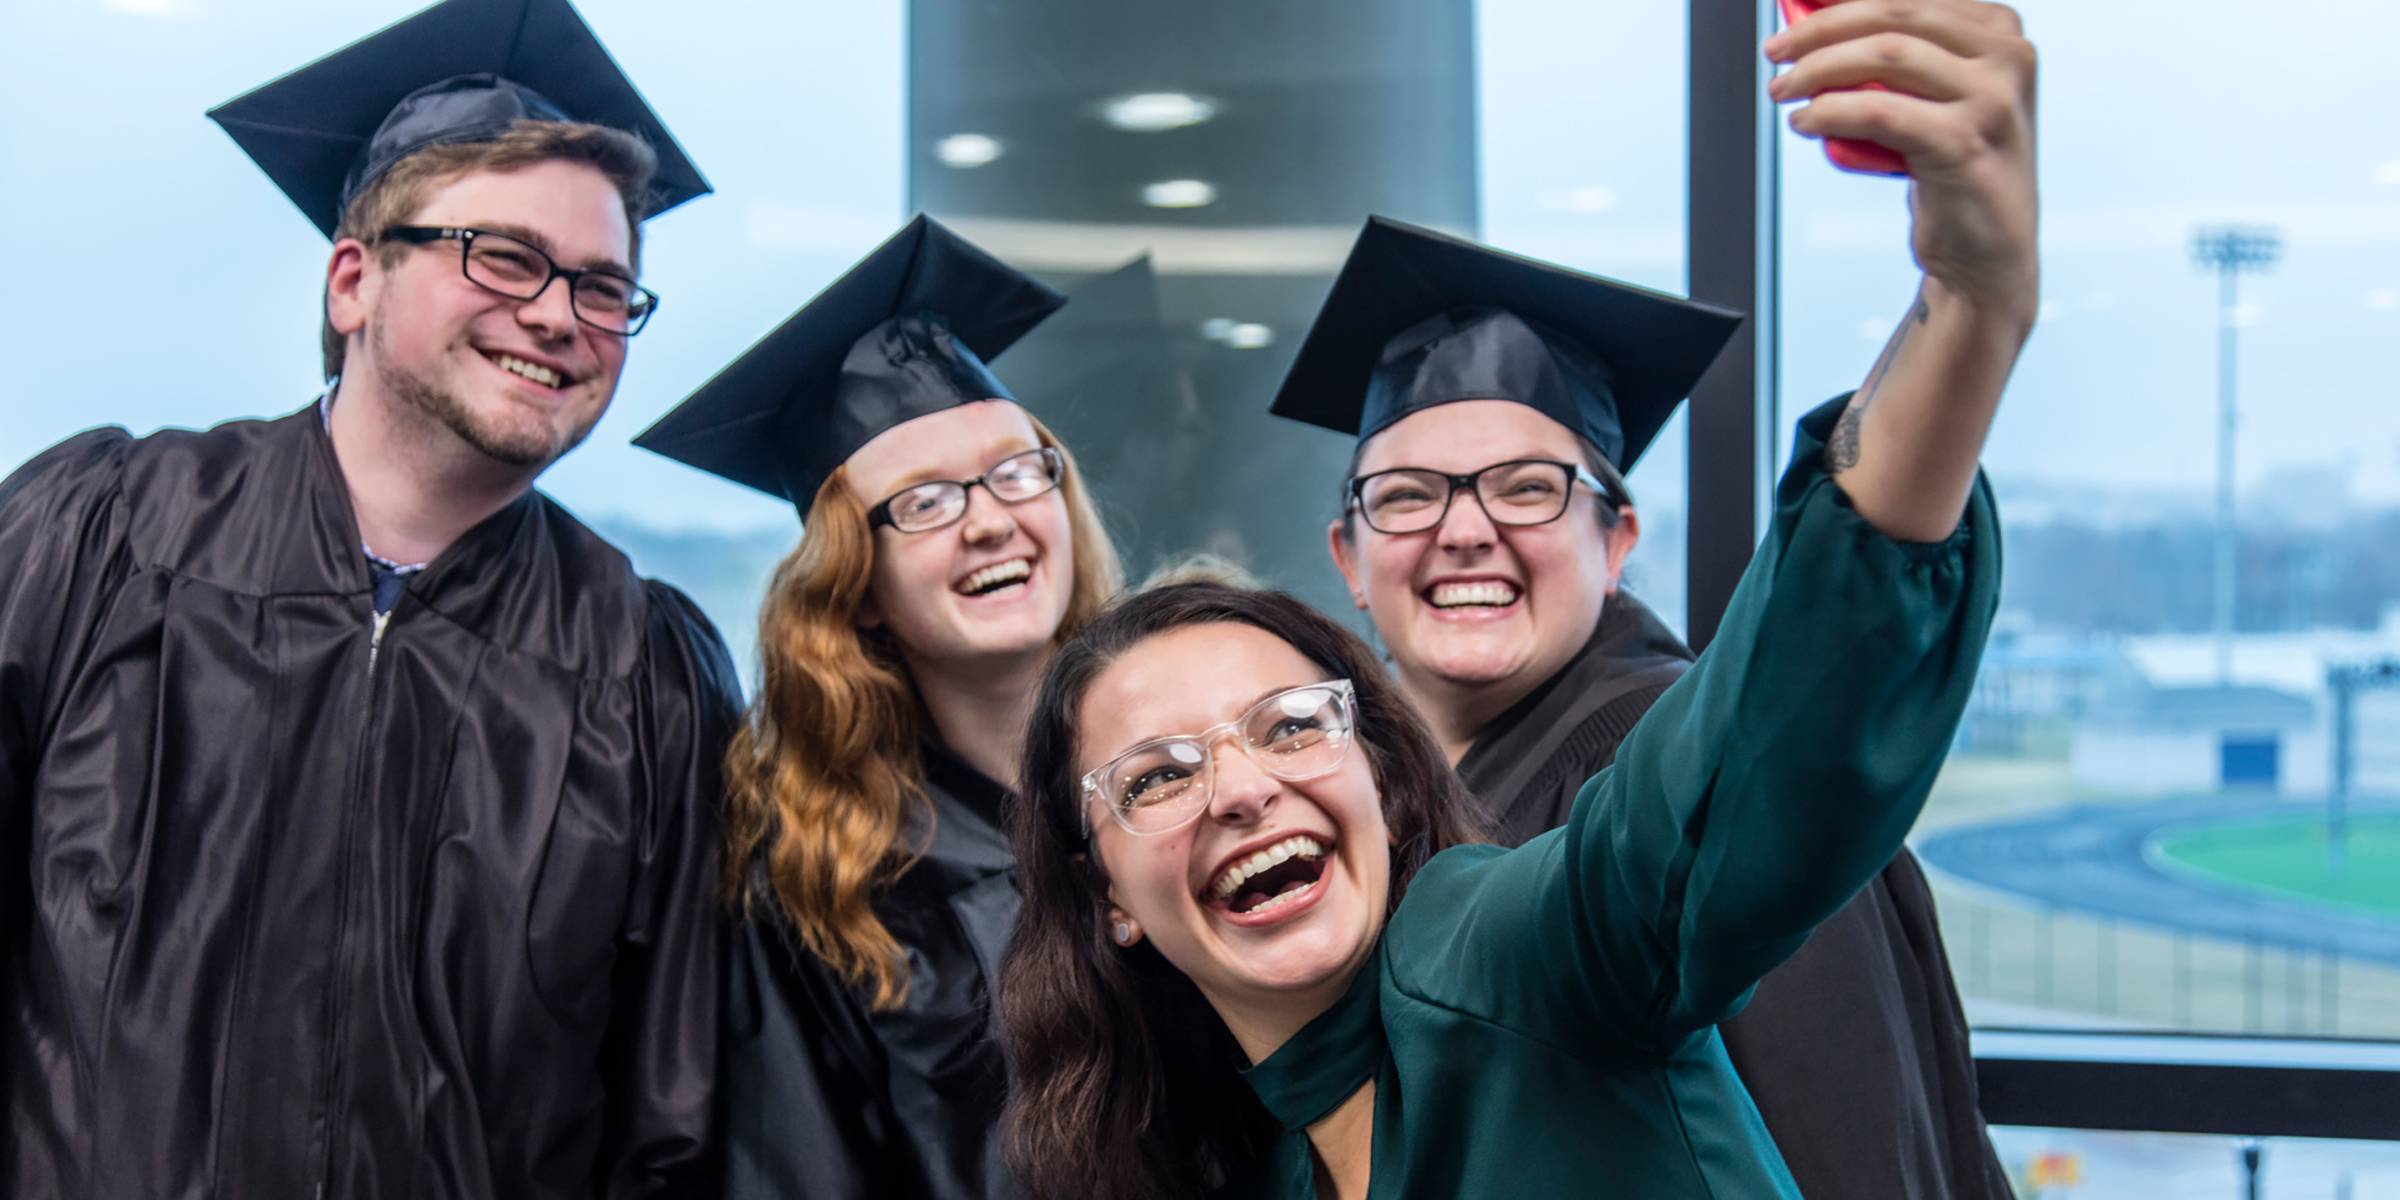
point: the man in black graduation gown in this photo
(1855, 1049)
(357, 805)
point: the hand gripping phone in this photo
(1850, 154)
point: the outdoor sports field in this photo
(2294, 857)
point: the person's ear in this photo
(1344, 551)
(1620, 539)
(353, 283)
(1123, 929)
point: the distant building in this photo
(2164, 723)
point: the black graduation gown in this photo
(1855, 1049)
(829, 1099)
(295, 910)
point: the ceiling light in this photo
(2389, 173)
(966, 150)
(1156, 112)
(1179, 193)
(1240, 335)
(2384, 299)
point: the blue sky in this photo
(158, 279)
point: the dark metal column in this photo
(1320, 113)
(1730, 249)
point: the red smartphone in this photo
(1850, 154)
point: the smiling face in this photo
(1273, 898)
(1472, 605)
(990, 587)
(522, 382)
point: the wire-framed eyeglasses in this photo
(1164, 784)
(1526, 491)
(925, 507)
(496, 262)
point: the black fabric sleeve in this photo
(63, 556)
(805, 1110)
(659, 1064)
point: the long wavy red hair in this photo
(823, 778)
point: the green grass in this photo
(2288, 855)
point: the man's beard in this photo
(518, 444)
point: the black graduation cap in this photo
(904, 334)
(1419, 318)
(460, 71)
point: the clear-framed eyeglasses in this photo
(496, 262)
(929, 506)
(1530, 491)
(1164, 784)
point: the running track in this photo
(2091, 859)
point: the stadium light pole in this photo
(2228, 250)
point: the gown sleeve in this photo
(802, 1092)
(63, 543)
(659, 1064)
(1762, 791)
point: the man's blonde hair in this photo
(624, 159)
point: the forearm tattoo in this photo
(1841, 450)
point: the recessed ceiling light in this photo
(1156, 112)
(1179, 193)
(1240, 335)
(966, 150)
(2389, 173)
(2384, 299)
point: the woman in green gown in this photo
(1259, 952)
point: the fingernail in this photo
(1774, 47)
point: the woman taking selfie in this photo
(1484, 530)
(948, 542)
(1254, 951)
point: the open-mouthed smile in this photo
(1472, 597)
(542, 374)
(1008, 576)
(1264, 884)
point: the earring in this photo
(1124, 933)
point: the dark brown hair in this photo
(625, 160)
(1125, 1080)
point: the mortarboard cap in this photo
(460, 71)
(1419, 318)
(904, 334)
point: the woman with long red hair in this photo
(949, 543)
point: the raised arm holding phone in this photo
(1255, 953)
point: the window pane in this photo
(1569, 176)
(2172, 803)
(2089, 1164)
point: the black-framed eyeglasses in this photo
(496, 262)
(1527, 491)
(925, 507)
(1164, 784)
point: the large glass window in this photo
(1581, 140)
(2173, 801)
(158, 279)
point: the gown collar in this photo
(1326, 1062)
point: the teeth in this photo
(533, 371)
(1298, 845)
(1491, 594)
(997, 574)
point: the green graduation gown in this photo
(1542, 1021)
